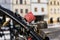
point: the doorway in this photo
(39, 18)
(51, 20)
(58, 19)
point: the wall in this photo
(39, 11)
(51, 13)
(21, 6)
(6, 4)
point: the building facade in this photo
(6, 4)
(54, 11)
(39, 9)
(22, 7)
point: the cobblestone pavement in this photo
(54, 36)
(53, 33)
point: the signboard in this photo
(30, 17)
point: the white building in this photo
(39, 8)
(22, 7)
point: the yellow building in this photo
(21, 6)
(53, 11)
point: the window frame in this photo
(26, 10)
(21, 10)
(21, 1)
(42, 9)
(38, 1)
(25, 2)
(51, 3)
(54, 2)
(16, 10)
(58, 3)
(35, 9)
(54, 10)
(16, 1)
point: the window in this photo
(42, 9)
(5, 1)
(54, 2)
(51, 3)
(25, 1)
(54, 10)
(58, 3)
(58, 10)
(21, 1)
(35, 9)
(51, 10)
(38, 1)
(16, 10)
(16, 1)
(26, 11)
(21, 10)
